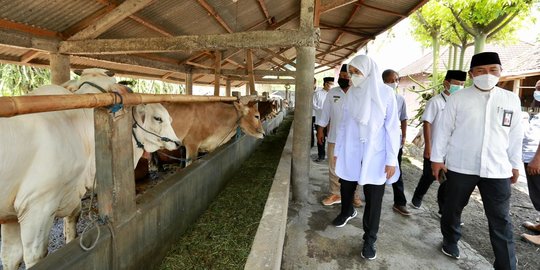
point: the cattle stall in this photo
(137, 234)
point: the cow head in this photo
(250, 119)
(100, 77)
(154, 128)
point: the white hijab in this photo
(360, 98)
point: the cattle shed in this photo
(206, 42)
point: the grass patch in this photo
(222, 237)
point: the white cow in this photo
(46, 162)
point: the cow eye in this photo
(158, 119)
(256, 116)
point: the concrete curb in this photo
(266, 251)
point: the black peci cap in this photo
(485, 58)
(328, 79)
(457, 75)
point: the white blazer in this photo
(365, 162)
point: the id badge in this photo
(507, 118)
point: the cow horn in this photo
(78, 71)
(109, 73)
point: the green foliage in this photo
(153, 87)
(17, 80)
(426, 92)
(430, 20)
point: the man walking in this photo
(478, 144)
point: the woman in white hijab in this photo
(367, 144)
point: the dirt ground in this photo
(475, 231)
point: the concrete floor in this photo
(412, 242)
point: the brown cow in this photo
(202, 127)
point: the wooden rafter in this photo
(348, 30)
(282, 66)
(262, 5)
(215, 14)
(27, 29)
(328, 5)
(358, 41)
(82, 24)
(317, 13)
(383, 10)
(284, 21)
(29, 55)
(350, 18)
(280, 57)
(119, 13)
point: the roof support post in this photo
(217, 72)
(249, 64)
(189, 83)
(228, 87)
(59, 68)
(305, 65)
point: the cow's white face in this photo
(157, 121)
(98, 76)
(250, 122)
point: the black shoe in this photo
(450, 252)
(369, 252)
(341, 221)
(415, 203)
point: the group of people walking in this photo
(474, 137)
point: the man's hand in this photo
(436, 167)
(402, 141)
(390, 171)
(515, 176)
(534, 167)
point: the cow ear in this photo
(78, 71)
(241, 108)
(109, 73)
(141, 109)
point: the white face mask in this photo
(357, 79)
(536, 95)
(392, 85)
(485, 81)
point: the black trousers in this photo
(321, 152)
(495, 195)
(312, 129)
(533, 183)
(425, 182)
(397, 187)
(372, 208)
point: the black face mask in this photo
(343, 83)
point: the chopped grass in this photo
(222, 237)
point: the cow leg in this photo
(70, 224)
(36, 224)
(12, 251)
(191, 153)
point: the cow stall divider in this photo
(137, 234)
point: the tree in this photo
(428, 24)
(16, 80)
(486, 18)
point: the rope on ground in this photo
(93, 222)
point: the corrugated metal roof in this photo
(161, 18)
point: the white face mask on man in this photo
(536, 95)
(485, 81)
(357, 79)
(392, 85)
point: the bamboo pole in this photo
(12, 106)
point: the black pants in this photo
(399, 189)
(533, 183)
(425, 182)
(496, 199)
(321, 152)
(312, 129)
(372, 208)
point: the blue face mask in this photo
(453, 88)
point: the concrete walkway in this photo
(412, 242)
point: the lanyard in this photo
(442, 95)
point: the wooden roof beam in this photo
(249, 64)
(383, 10)
(329, 5)
(28, 41)
(252, 39)
(262, 5)
(217, 72)
(121, 12)
(348, 30)
(351, 16)
(29, 55)
(85, 22)
(28, 29)
(344, 46)
(215, 14)
(280, 57)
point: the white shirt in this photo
(365, 162)
(318, 101)
(401, 107)
(531, 138)
(433, 111)
(314, 112)
(331, 112)
(480, 133)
